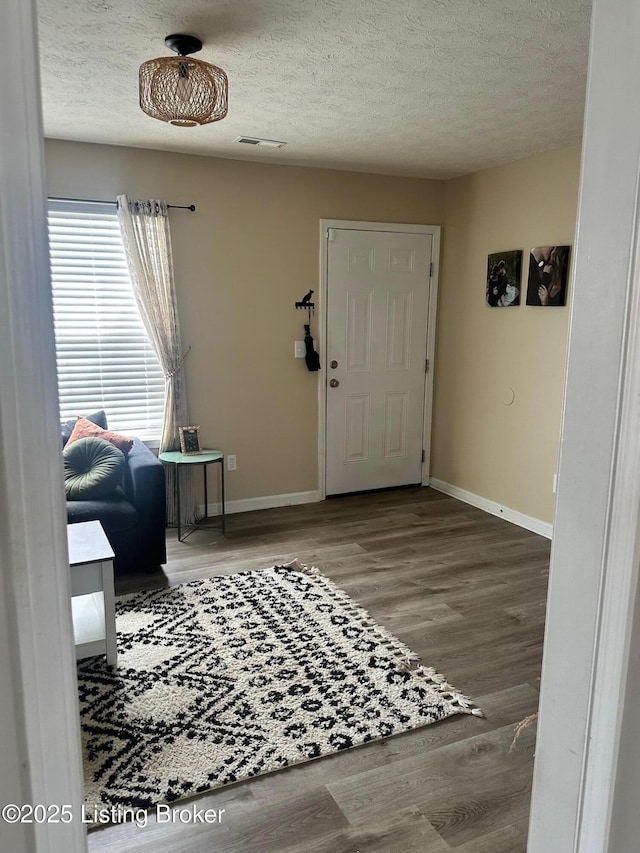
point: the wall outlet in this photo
(232, 462)
(299, 350)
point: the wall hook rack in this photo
(306, 303)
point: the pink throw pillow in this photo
(84, 429)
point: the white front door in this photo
(377, 311)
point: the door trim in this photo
(353, 225)
(40, 737)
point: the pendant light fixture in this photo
(182, 90)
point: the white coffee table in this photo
(92, 591)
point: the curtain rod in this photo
(191, 207)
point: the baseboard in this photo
(264, 502)
(544, 528)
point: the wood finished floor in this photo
(467, 592)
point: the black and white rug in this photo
(224, 679)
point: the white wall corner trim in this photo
(544, 528)
(263, 502)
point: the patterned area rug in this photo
(224, 679)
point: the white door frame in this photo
(321, 306)
(586, 758)
(597, 490)
(40, 735)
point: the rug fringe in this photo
(441, 685)
(297, 566)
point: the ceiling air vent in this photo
(263, 143)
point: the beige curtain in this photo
(147, 241)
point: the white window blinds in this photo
(103, 354)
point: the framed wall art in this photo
(548, 273)
(503, 278)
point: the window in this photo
(104, 357)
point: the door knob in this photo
(333, 383)
(333, 364)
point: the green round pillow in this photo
(93, 468)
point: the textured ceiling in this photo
(429, 88)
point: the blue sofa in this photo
(133, 516)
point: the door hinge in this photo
(431, 270)
(330, 235)
(423, 455)
(426, 365)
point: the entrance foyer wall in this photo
(503, 453)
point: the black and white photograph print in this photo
(548, 272)
(503, 278)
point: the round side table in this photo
(207, 457)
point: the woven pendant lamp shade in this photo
(183, 91)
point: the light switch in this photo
(299, 349)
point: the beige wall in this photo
(507, 454)
(242, 260)
(251, 250)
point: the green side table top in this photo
(178, 458)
